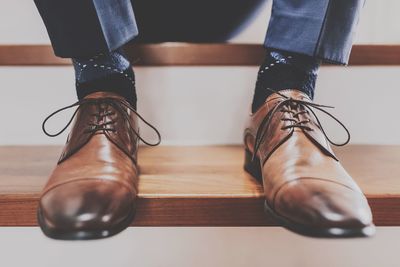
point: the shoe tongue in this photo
(97, 95)
(293, 93)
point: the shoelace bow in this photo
(302, 124)
(103, 126)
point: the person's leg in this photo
(92, 192)
(306, 188)
(301, 35)
(92, 33)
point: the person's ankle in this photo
(108, 72)
(284, 70)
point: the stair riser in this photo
(202, 105)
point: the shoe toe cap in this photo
(86, 205)
(323, 204)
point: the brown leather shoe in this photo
(92, 191)
(306, 188)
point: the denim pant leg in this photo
(81, 28)
(320, 28)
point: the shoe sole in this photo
(254, 169)
(62, 234)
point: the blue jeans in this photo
(319, 28)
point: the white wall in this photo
(201, 105)
(199, 247)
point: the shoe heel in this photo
(252, 166)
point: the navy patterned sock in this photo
(283, 70)
(106, 72)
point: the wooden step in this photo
(196, 186)
(187, 54)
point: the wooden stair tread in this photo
(190, 54)
(195, 186)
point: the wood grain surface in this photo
(185, 54)
(195, 186)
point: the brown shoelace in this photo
(286, 107)
(103, 104)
